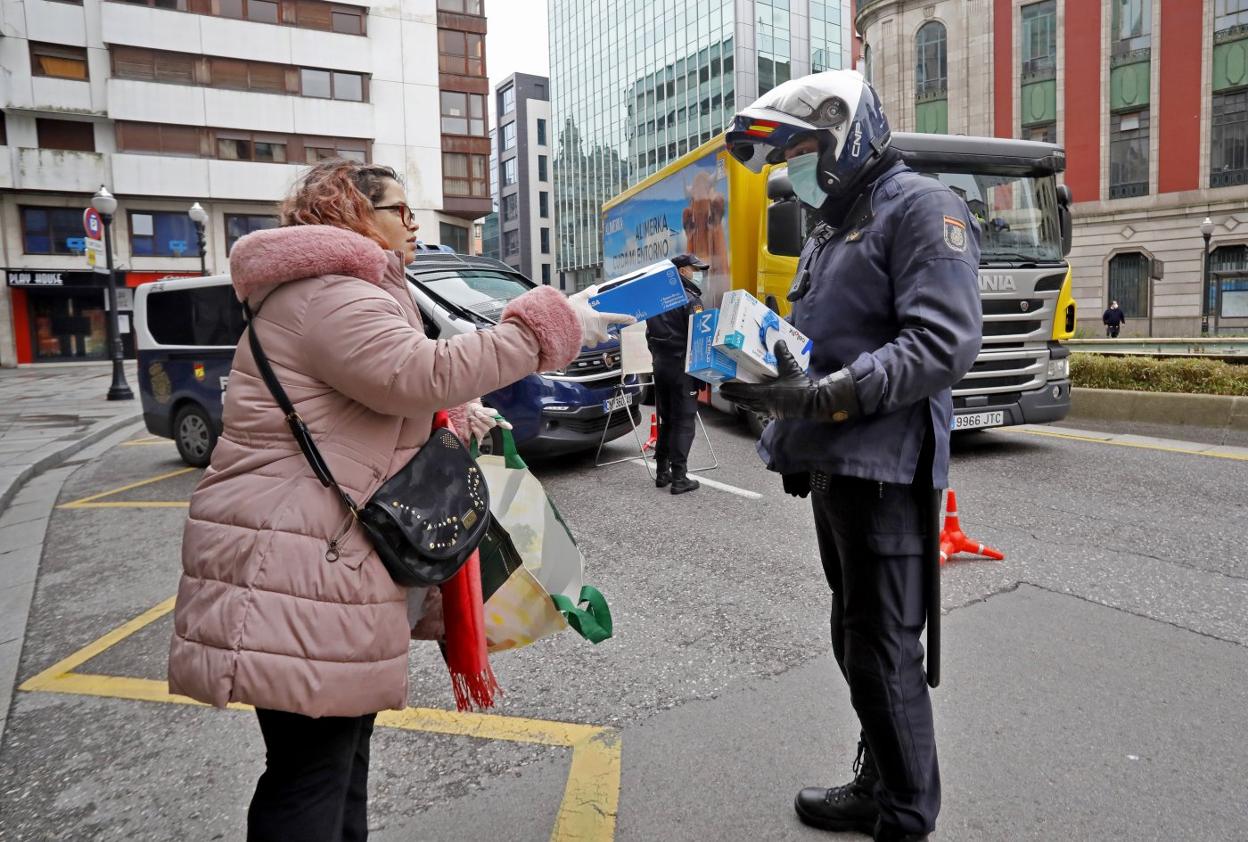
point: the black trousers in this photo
(676, 404)
(315, 782)
(1112, 331)
(871, 544)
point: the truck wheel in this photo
(194, 435)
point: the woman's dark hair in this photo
(339, 193)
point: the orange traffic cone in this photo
(953, 540)
(653, 441)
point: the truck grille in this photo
(1005, 371)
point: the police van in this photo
(186, 330)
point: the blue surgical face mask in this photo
(804, 176)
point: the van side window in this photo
(208, 316)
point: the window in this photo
(454, 236)
(510, 172)
(49, 230)
(348, 86)
(541, 132)
(58, 61)
(509, 136)
(545, 240)
(165, 140)
(463, 113)
(462, 53)
(325, 149)
(931, 74)
(206, 317)
(1230, 14)
(511, 243)
(65, 134)
(542, 173)
(511, 207)
(260, 11)
(1040, 40)
(1132, 26)
(153, 65)
(546, 274)
(239, 225)
(348, 21)
(316, 83)
(509, 100)
(465, 175)
(463, 7)
(162, 234)
(1228, 161)
(1228, 292)
(1128, 154)
(543, 205)
(247, 75)
(1046, 133)
(866, 62)
(1128, 283)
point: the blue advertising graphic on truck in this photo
(685, 212)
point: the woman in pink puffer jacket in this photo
(262, 617)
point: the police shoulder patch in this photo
(955, 234)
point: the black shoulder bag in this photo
(426, 520)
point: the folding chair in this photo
(635, 361)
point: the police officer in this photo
(886, 290)
(675, 393)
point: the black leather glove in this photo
(794, 395)
(798, 485)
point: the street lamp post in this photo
(106, 205)
(1206, 232)
(200, 217)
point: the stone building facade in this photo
(1149, 99)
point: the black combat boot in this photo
(663, 474)
(885, 833)
(681, 482)
(848, 807)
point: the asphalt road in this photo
(1093, 681)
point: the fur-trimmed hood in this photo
(278, 255)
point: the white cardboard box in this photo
(747, 331)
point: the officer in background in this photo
(886, 290)
(675, 393)
(1113, 319)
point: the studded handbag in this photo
(426, 520)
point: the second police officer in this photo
(887, 291)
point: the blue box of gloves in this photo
(708, 363)
(642, 294)
(747, 331)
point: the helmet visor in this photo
(757, 142)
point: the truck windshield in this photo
(1017, 215)
(482, 291)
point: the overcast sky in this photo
(516, 41)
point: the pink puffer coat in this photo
(261, 616)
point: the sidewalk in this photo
(48, 413)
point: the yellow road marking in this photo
(590, 798)
(85, 501)
(1139, 445)
(145, 442)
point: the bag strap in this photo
(503, 442)
(298, 429)
(594, 624)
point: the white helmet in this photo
(838, 108)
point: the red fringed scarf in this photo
(463, 614)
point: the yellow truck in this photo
(750, 229)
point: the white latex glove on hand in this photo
(482, 419)
(594, 325)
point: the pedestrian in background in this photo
(318, 641)
(675, 392)
(1113, 319)
(887, 292)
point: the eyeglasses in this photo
(404, 212)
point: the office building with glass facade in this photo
(635, 84)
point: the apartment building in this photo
(526, 212)
(221, 102)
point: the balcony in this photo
(167, 175)
(161, 29)
(57, 169)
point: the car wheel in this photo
(195, 435)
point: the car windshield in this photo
(1017, 215)
(482, 291)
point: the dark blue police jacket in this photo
(894, 295)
